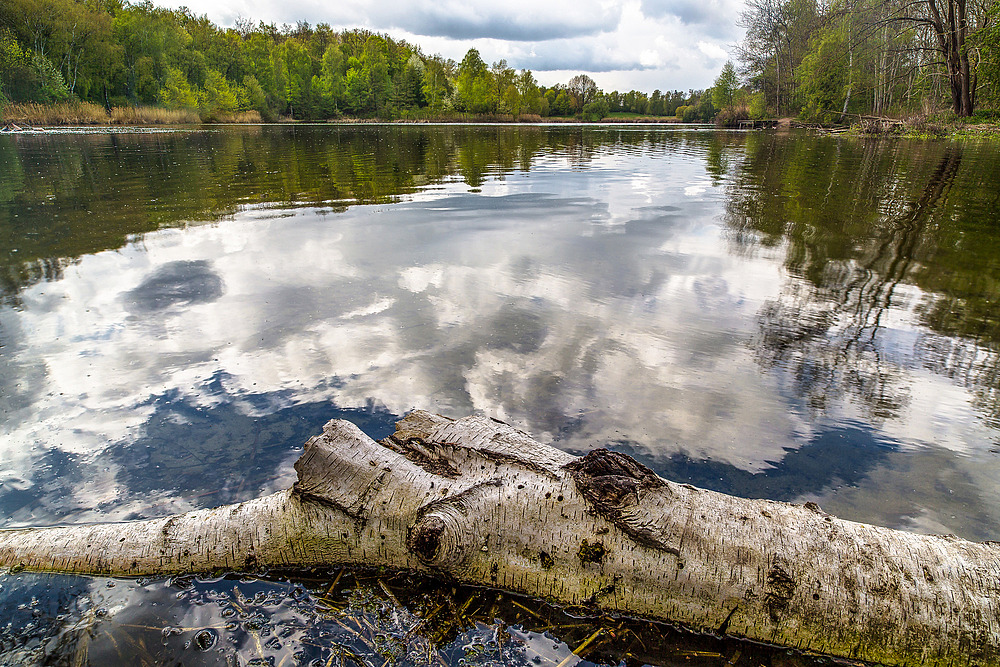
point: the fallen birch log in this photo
(483, 503)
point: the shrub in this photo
(596, 110)
(731, 116)
(27, 76)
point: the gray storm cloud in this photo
(501, 23)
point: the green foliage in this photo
(871, 57)
(706, 110)
(635, 101)
(376, 69)
(543, 106)
(295, 69)
(582, 91)
(48, 81)
(596, 110)
(436, 85)
(357, 94)
(251, 95)
(217, 99)
(15, 67)
(690, 114)
(407, 85)
(332, 86)
(561, 105)
(177, 93)
(472, 84)
(530, 95)
(731, 116)
(656, 104)
(725, 87)
(987, 45)
(28, 76)
(822, 81)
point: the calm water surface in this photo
(770, 315)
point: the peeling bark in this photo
(480, 502)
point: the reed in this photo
(62, 113)
(251, 117)
(145, 115)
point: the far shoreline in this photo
(74, 114)
(41, 118)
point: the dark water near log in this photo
(769, 315)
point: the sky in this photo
(637, 44)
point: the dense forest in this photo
(116, 54)
(821, 61)
(829, 60)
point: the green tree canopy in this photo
(725, 87)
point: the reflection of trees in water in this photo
(867, 243)
(88, 193)
(968, 364)
(856, 229)
(15, 275)
(802, 335)
(721, 152)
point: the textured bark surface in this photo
(481, 502)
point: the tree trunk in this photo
(951, 30)
(483, 503)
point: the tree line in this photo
(829, 60)
(117, 53)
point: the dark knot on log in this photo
(611, 482)
(424, 538)
(444, 532)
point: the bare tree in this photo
(582, 90)
(898, 38)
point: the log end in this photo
(343, 466)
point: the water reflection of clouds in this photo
(923, 489)
(487, 308)
(174, 285)
(519, 303)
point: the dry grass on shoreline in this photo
(152, 116)
(87, 113)
(64, 113)
(251, 117)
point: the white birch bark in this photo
(483, 503)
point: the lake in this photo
(772, 315)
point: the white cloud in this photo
(713, 51)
